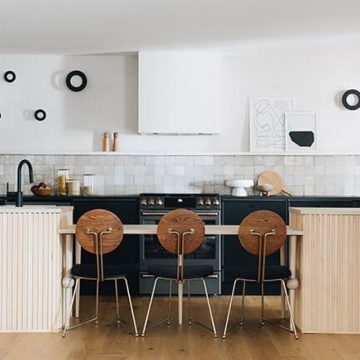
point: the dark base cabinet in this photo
(127, 209)
(328, 202)
(233, 211)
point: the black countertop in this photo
(224, 197)
(66, 199)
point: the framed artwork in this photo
(300, 130)
(267, 123)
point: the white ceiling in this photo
(107, 26)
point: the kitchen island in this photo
(328, 262)
(31, 265)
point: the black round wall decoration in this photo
(345, 99)
(73, 75)
(9, 76)
(40, 115)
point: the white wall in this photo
(76, 121)
(316, 81)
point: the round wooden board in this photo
(262, 221)
(181, 220)
(99, 220)
(273, 178)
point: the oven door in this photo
(151, 251)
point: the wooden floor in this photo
(107, 341)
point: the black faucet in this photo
(19, 195)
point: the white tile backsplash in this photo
(303, 175)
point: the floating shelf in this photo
(243, 153)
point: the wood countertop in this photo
(324, 211)
(12, 209)
(152, 229)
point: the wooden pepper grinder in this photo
(106, 142)
(116, 142)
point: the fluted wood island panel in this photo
(328, 268)
(31, 265)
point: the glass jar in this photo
(88, 184)
(62, 178)
(73, 187)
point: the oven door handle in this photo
(213, 276)
(145, 275)
(207, 213)
(164, 213)
(154, 213)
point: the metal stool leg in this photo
(229, 310)
(117, 302)
(149, 308)
(189, 303)
(70, 309)
(209, 306)
(169, 303)
(262, 305)
(243, 304)
(97, 302)
(131, 307)
(290, 310)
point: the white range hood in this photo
(179, 93)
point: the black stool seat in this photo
(89, 270)
(251, 272)
(190, 271)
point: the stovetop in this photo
(174, 201)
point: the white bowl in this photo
(239, 183)
(239, 192)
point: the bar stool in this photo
(99, 232)
(180, 232)
(261, 233)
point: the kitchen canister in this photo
(62, 178)
(73, 187)
(88, 184)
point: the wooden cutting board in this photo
(273, 178)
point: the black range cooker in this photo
(152, 208)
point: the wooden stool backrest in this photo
(181, 221)
(99, 221)
(263, 222)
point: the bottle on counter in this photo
(116, 141)
(106, 141)
(62, 178)
(88, 184)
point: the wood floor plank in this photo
(110, 342)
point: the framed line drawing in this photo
(300, 130)
(267, 123)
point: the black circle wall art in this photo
(9, 76)
(40, 115)
(76, 80)
(346, 99)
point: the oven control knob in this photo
(159, 201)
(144, 202)
(151, 202)
(200, 201)
(208, 201)
(216, 201)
